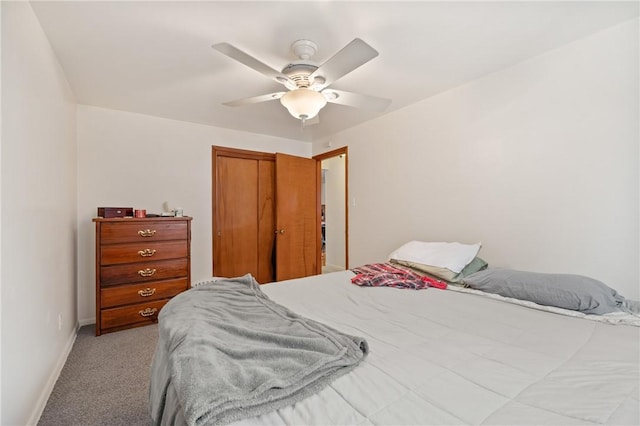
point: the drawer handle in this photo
(146, 232)
(147, 292)
(146, 272)
(146, 252)
(149, 312)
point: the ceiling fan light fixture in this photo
(303, 103)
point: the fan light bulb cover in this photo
(303, 103)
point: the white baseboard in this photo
(82, 323)
(53, 378)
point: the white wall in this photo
(134, 160)
(539, 162)
(38, 216)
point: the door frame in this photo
(324, 156)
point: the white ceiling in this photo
(155, 57)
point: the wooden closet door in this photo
(243, 213)
(236, 236)
(266, 214)
(297, 217)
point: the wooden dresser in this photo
(140, 265)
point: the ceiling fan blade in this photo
(255, 99)
(253, 63)
(346, 60)
(356, 100)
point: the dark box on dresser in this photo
(108, 212)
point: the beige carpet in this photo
(105, 380)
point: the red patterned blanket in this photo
(386, 275)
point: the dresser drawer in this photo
(143, 230)
(142, 252)
(132, 314)
(143, 272)
(141, 293)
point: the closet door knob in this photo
(282, 231)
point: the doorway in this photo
(334, 210)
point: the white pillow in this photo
(452, 256)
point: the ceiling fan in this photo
(307, 82)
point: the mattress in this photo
(440, 357)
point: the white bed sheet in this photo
(440, 357)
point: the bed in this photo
(454, 356)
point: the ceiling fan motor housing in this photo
(299, 72)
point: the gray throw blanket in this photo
(229, 352)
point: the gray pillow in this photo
(566, 291)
